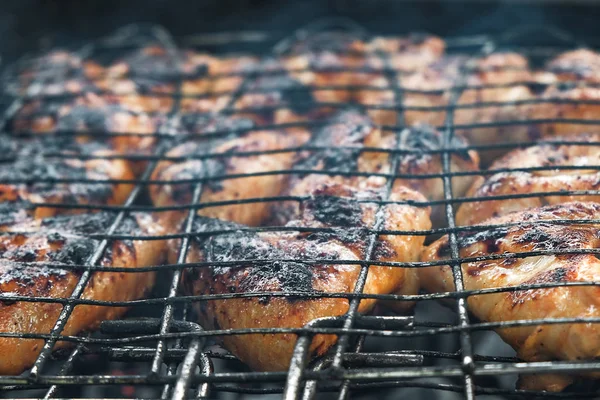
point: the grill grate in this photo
(172, 352)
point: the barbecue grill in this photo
(159, 352)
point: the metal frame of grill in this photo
(178, 364)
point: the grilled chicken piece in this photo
(541, 342)
(275, 96)
(28, 245)
(432, 87)
(567, 92)
(360, 69)
(544, 181)
(576, 65)
(566, 101)
(91, 116)
(345, 160)
(330, 206)
(424, 157)
(35, 163)
(136, 98)
(57, 72)
(254, 181)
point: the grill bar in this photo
(466, 343)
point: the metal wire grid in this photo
(408, 363)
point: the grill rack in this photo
(176, 382)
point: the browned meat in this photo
(28, 160)
(544, 181)
(330, 206)
(29, 244)
(540, 342)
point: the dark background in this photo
(27, 24)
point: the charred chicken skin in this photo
(532, 230)
(344, 209)
(43, 258)
(35, 163)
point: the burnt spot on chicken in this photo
(89, 118)
(566, 86)
(347, 129)
(75, 252)
(30, 167)
(281, 90)
(537, 234)
(537, 88)
(383, 250)
(545, 237)
(92, 224)
(489, 237)
(14, 212)
(200, 124)
(200, 171)
(247, 276)
(49, 255)
(424, 140)
(335, 211)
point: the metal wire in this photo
(173, 348)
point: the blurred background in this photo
(27, 24)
